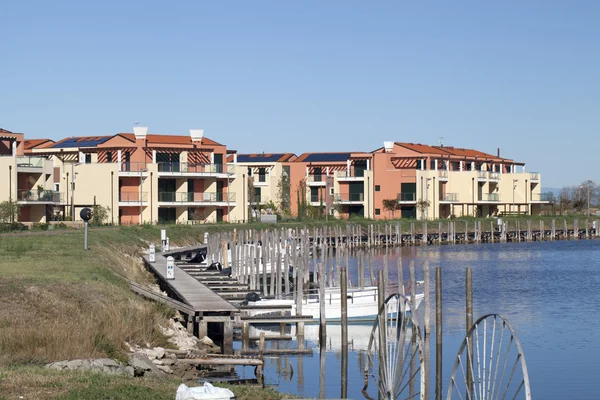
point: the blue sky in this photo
(302, 76)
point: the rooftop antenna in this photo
(441, 141)
(136, 124)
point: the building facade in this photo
(147, 178)
(155, 178)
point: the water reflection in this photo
(548, 291)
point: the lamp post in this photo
(73, 165)
(514, 187)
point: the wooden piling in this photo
(438, 333)
(469, 324)
(426, 298)
(344, 306)
(322, 316)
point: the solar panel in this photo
(327, 157)
(81, 142)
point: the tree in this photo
(99, 215)
(9, 211)
(301, 195)
(423, 205)
(283, 194)
(390, 206)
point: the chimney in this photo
(498, 152)
(388, 146)
(140, 132)
(196, 134)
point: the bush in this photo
(41, 226)
(12, 227)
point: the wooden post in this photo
(438, 333)
(286, 270)
(426, 298)
(385, 274)
(261, 345)
(299, 299)
(245, 335)
(469, 324)
(413, 284)
(228, 337)
(344, 305)
(322, 316)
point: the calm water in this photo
(549, 291)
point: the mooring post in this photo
(426, 298)
(245, 335)
(344, 305)
(228, 337)
(438, 333)
(322, 316)
(469, 324)
(382, 354)
(385, 273)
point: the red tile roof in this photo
(38, 143)
(152, 138)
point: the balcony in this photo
(494, 176)
(489, 198)
(129, 168)
(195, 170)
(443, 175)
(349, 198)
(542, 197)
(39, 197)
(534, 177)
(133, 199)
(350, 176)
(260, 180)
(180, 199)
(482, 176)
(407, 198)
(259, 200)
(316, 180)
(449, 198)
(30, 164)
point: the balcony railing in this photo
(207, 197)
(494, 176)
(184, 167)
(535, 176)
(259, 200)
(133, 197)
(450, 197)
(348, 197)
(360, 173)
(490, 197)
(128, 166)
(407, 197)
(542, 197)
(30, 162)
(482, 174)
(443, 174)
(316, 178)
(39, 195)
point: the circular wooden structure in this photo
(396, 344)
(490, 363)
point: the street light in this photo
(514, 187)
(73, 165)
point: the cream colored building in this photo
(148, 178)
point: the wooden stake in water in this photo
(426, 298)
(469, 324)
(385, 274)
(322, 316)
(344, 310)
(438, 333)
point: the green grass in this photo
(40, 383)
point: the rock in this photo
(159, 352)
(103, 365)
(165, 369)
(168, 361)
(207, 341)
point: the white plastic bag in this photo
(206, 392)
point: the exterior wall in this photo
(94, 184)
(239, 186)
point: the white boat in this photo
(362, 305)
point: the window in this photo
(88, 158)
(331, 191)
(57, 187)
(109, 156)
(377, 188)
(261, 175)
(377, 211)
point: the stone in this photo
(207, 341)
(165, 369)
(159, 352)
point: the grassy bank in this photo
(38, 383)
(60, 302)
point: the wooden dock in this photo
(208, 306)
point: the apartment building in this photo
(341, 182)
(29, 180)
(147, 178)
(266, 174)
(431, 182)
